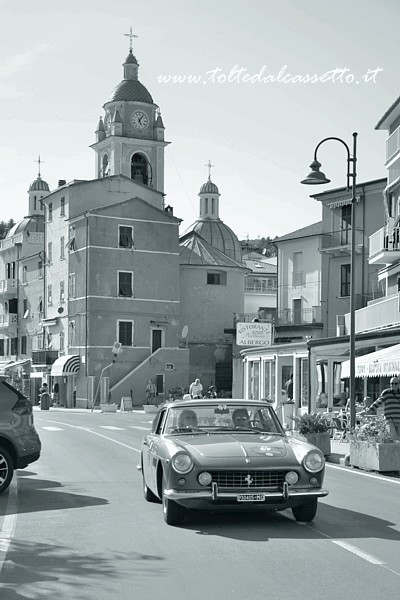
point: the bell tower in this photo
(130, 137)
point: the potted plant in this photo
(372, 447)
(315, 430)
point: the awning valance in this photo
(382, 363)
(17, 363)
(65, 365)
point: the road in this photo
(75, 525)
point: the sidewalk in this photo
(339, 451)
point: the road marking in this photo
(363, 474)
(354, 550)
(9, 521)
(112, 427)
(52, 428)
(138, 427)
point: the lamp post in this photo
(316, 177)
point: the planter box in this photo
(321, 440)
(150, 408)
(108, 408)
(375, 457)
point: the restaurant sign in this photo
(376, 368)
(253, 334)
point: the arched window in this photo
(139, 169)
(105, 168)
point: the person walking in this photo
(196, 389)
(44, 397)
(151, 391)
(390, 400)
(289, 388)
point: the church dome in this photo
(27, 224)
(219, 235)
(131, 90)
(39, 185)
(209, 188)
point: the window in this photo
(297, 275)
(62, 248)
(10, 270)
(14, 345)
(62, 342)
(62, 211)
(71, 285)
(213, 205)
(49, 253)
(62, 291)
(216, 278)
(346, 224)
(40, 269)
(71, 333)
(1, 347)
(50, 212)
(206, 205)
(25, 308)
(125, 236)
(49, 295)
(125, 284)
(39, 342)
(345, 280)
(34, 202)
(40, 308)
(23, 344)
(71, 244)
(125, 332)
(24, 274)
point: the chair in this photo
(339, 428)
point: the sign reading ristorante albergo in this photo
(253, 334)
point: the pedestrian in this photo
(390, 400)
(289, 388)
(44, 397)
(212, 392)
(151, 391)
(196, 389)
(56, 388)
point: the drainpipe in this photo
(18, 307)
(86, 296)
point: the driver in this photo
(240, 418)
(187, 419)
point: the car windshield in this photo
(222, 418)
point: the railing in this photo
(341, 238)
(306, 316)
(8, 285)
(257, 289)
(35, 237)
(381, 314)
(44, 357)
(393, 174)
(8, 320)
(261, 316)
(393, 143)
(386, 239)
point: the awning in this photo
(65, 365)
(16, 363)
(382, 363)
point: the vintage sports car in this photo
(228, 455)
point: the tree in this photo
(5, 227)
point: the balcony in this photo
(8, 287)
(44, 357)
(35, 237)
(251, 288)
(338, 243)
(381, 314)
(384, 246)
(392, 144)
(299, 318)
(8, 320)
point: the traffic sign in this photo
(117, 348)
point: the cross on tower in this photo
(39, 163)
(130, 35)
(209, 165)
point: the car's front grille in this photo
(248, 479)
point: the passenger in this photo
(240, 418)
(187, 419)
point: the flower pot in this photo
(321, 440)
(375, 457)
(108, 408)
(150, 408)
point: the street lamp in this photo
(316, 177)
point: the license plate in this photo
(251, 498)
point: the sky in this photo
(60, 62)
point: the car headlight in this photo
(182, 462)
(291, 477)
(313, 461)
(204, 478)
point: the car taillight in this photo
(22, 407)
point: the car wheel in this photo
(148, 494)
(306, 512)
(6, 470)
(173, 512)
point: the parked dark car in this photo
(19, 442)
(228, 455)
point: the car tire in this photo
(306, 512)
(173, 512)
(6, 469)
(148, 494)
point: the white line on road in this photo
(368, 557)
(9, 522)
(52, 428)
(363, 474)
(112, 427)
(138, 427)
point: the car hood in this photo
(241, 447)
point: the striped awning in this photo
(382, 363)
(66, 365)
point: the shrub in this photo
(311, 423)
(374, 431)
